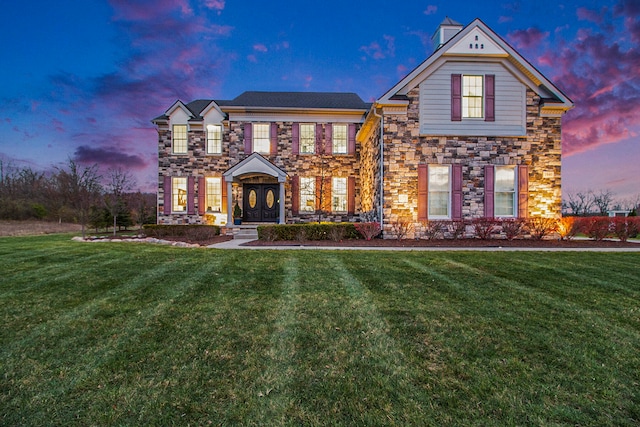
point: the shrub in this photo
(194, 232)
(434, 229)
(625, 227)
(456, 228)
(484, 227)
(597, 227)
(401, 228)
(368, 230)
(513, 227)
(567, 227)
(540, 227)
(310, 231)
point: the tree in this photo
(79, 187)
(119, 182)
(580, 203)
(602, 200)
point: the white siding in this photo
(435, 103)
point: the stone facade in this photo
(405, 149)
(196, 163)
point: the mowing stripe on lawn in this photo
(272, 387)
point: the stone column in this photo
(229, 204)
(282, 199)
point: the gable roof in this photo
(549, 93)
(304, 100)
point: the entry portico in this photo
(256, 176)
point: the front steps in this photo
(245, 231)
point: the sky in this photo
(82, 79)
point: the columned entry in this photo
(261, 202)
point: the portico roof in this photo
(255, 164)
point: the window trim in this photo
(307, 190)
(346, 138)
(465, 106)
(311, 138)
(266, 140)
(345, 195)
(208, 140)
(175, 194)
(209, 208)
(430, 168)
(514, 202)
(174, 139)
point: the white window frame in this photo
(179, 139)
(340, 138)
(473, 96)
(307, 138)
(307, 194)
(433, 189)
(261, 138)
(214, 139)
(213, 194)
(502, 192)
(339, 190)
(179, 194)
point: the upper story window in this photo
(307, 138)
(179, 194)
(340, 139)
(439, 197)
(472, 97)
(307, 194)
(339, 194)
(179, 139)
(505, 191)
(214, 194)
(261, 142)
(214, 139)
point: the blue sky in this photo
(83, 79)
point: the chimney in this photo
(445, 32)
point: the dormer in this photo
(445, 32)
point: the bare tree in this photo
(580, 203)
(602, 200)
(119, 182)
(79, 187)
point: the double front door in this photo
(260, 202)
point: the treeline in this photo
(601, 202)
(74, 193)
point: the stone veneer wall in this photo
(196, 163)
(405, 149)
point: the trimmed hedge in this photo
(193, 232)
(308, 231)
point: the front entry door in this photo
(260, 202)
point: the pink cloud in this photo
(215, 5)
(259, 47)
(502, 19)
(376, 51)
(529, 38)
(431, 9)
(585, 14)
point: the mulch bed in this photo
(458, 243)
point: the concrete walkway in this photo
(236, 244)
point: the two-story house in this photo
(473, 131)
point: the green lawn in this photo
(128, 334)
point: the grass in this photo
(129, 334)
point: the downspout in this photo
(381, 207)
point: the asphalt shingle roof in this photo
(340, 100)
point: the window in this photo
(339, 194)
(307, 194)
(307, 138)
(214, 194)
(439, 180)
(179, 194)
(214, 139)
(472, 94)
(505, 191)
(179, 139)
(339, 139)
(261, 142)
